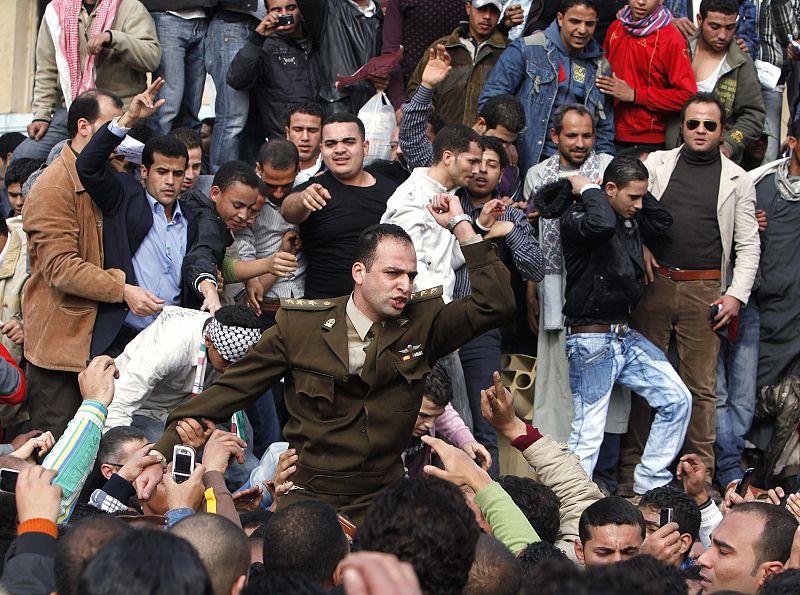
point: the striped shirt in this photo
(520, 242)
(777, 23)
(73, 455)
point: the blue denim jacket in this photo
(529, 69)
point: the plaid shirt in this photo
(777, 23)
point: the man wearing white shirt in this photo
(304, 129)
(159, 367)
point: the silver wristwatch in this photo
(456, 220)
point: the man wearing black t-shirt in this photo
(333, 208)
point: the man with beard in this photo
(511, 233)
(573, 133)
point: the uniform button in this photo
(363, 429)
(345, 379)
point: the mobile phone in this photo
(348, 527)
(796, 44)
(665, 517)
(8, 480)
(712, 313)
(285, 20)
(741, 489)
(182, 462)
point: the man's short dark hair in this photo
(305, 537)
(208, 122)
(640, 574)
(503, 110)
(346, 118)
(165, 145)
(794, 129)
(624, 170)
(703, 97)
(10, 141)
(372, 236)
(279, 154)
(280, 582)
(722, 6)
(141, 132)
(567, 4)
(146, 561)
(562, 110)
(252, 519)
(456, 138)
(611, 510)
(78, 544)
(86, 106)
(112, 444)
(238, 315)
(438, 386)
(491, 143)
(188, 136)
(782, 583)
(20, 170)
(426, 522)
(775, 543)
(235, 171)
(495, 570)
(309, 108)
(221, 545)
(684, 509)
(534, 553)
(538, 503)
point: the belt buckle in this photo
(619, 328)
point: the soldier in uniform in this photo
(355, 365)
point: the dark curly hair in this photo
(684, 509)
(425, 522)
(534, 554)
(538, 503)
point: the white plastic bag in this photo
(379, 122)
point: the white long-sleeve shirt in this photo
(157, 368)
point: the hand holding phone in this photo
(665, 517)
(183, 458)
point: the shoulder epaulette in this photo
(303, 304)
(425, 294)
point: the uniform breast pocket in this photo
(414, 372)
(315, 400)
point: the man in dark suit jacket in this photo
(146, 233)
(355, 365)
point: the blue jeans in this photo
(183, 68)
(479, 358)
(596, 362)
(223, 41)
(773, 104)
(56, 132)
(737, 369)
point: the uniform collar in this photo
(361, 321)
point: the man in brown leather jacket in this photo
(353, 405)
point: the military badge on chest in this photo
(410, 352)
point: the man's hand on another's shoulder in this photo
(97, 380)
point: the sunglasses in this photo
(709, 125)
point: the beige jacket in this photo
(736, 214)
(13, 274)
(559, 469)
(122, 69)
(65, 248)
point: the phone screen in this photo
(8, 480)
(182, 464)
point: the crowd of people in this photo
(268, 352)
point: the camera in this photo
(285, 20)
(665, 517)
(182, 463)
(8, 480)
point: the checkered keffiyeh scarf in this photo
(232, 342)
(661, 17)
(550, 234)
(68, 12)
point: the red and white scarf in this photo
(62, 18)
(661, 17)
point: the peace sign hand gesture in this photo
(143, 105)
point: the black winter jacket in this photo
(603, 257)
(281, 74)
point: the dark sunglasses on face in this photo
(709, 125)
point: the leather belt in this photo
(688, 275)
(620, 328)
(270, 305)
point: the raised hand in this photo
(438, 67)
(497, 406)
(97, 380)
(143, 105)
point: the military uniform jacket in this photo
(349, 435)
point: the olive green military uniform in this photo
(349, 435)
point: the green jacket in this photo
(349, 435)
(740, 92)
(456, 99)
